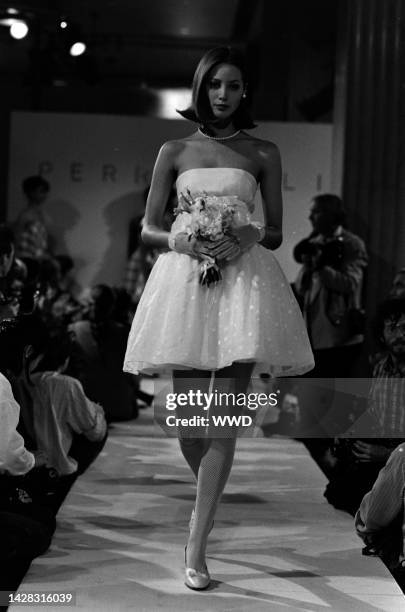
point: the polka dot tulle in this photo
(250, 315)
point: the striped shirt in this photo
(387, 398)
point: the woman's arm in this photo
(153, 232)
(163, 177)
(14, 457)
(385, 501)
(270, 187)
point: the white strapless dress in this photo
(251, 315)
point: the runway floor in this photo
(276, 545)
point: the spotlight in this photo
(78, 48)
(63, 24)
(18, 29)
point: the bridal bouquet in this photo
(210, 217)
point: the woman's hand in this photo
(188, 245)
(41, 458)
(223, 249)
(246, 236)
(370, 453)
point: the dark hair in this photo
(199, 111)
(6, 239)
(58, 349)
(123, 306)
(390, 309)
(332, 204)
(15, 335)
(105, 300)
(33, 182)
(65, 262)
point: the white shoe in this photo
(197, 581)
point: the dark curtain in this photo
(371, 82)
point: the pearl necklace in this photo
(219, 137)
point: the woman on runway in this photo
(217, 305)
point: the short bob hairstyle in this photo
(199, 111)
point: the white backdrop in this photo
(98, 167)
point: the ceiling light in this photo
(63, 24)
(78, 48)
(171, 99)
(18, 29)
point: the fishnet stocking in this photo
(210, 460)
(193, 450)
(213, 474)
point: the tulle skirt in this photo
(251, 315)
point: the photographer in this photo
(329, 285)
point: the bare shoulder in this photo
(172, 148)
(264, 152)
(265, 148)
(171, 151)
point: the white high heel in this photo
(193, 579)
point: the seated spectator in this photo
(67, 282)
(55, 411)
(380, 519)
(359, 461)
(398, 284)
(17, 293)
(26, 527)
(142, 259)
(31, 228)
(124, 309)
(8, 306)
(14, 457)
(139, 266)
(100, 345)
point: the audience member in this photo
(124, 307)
(66, 282)
(8, 305)
(14, 457)
(55, 412)
(31, 227)
(380, 519)
(98, 355)
(360, 460)
(330, 286)
(330, 283)
(398, 284)
(143, 258)
(26, 527)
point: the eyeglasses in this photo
(391, 326)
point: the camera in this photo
(330, 253)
